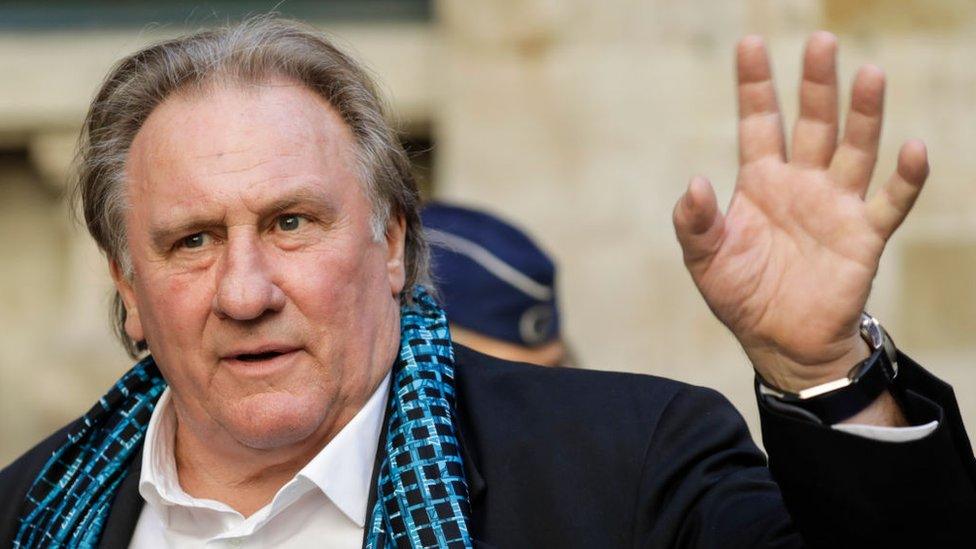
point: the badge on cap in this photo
(537, 323)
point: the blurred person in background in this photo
(262, 227)
(496, 285)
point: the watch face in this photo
(872, 332)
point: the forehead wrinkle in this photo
(320, 135)
(219, 154)
(313, 126)
(308, 191)
(243, 169)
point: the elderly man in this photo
(261, 226)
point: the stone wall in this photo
(585, 120)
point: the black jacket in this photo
(575, 458)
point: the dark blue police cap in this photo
(492, 279)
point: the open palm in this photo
(788, 268)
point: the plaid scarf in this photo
(422, 495)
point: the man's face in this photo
(268, 305)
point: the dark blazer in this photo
(576, 458)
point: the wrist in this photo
(883, 412)
(862, 394)
(785, 373)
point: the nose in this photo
(246, 290)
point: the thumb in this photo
(698, 223)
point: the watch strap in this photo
(834, 406)
(837, 400)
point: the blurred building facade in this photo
(583, 120)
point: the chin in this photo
(273, 420)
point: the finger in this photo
(855, 157)
(698, 222)
(891, 204)
(760, 123)
(815, 134)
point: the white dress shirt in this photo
(323, 506)
(889, 434)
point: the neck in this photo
(214, 465)
(246, 479)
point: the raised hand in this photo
(788, 268)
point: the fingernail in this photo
(689, 199)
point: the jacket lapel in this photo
(126, 508)
(476, 483)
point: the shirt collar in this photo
(342, 470)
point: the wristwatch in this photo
(832, 402)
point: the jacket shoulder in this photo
(618, 449)
(594, 409)
(593, 394)
(17, 478)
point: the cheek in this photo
(174, 309)
(336, 283)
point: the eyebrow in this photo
(162, 234)
(301, 196)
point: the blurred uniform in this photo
(496, 285)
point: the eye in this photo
(196, 240)
(289, 222)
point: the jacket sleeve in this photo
(843, 490)
(705, 484)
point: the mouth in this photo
(258, 357)
(261, 360)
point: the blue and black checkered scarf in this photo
(421, 491)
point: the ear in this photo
(133, 326)
(396, 236)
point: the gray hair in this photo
(250, 52)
